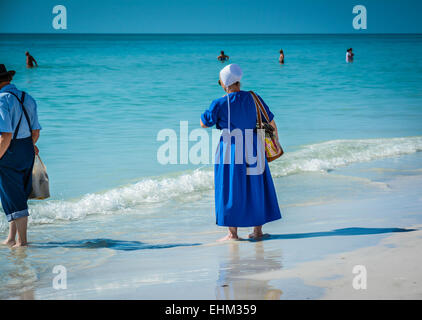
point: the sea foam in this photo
(338, 153)
(157, 191)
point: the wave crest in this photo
(338, 153)
(156, 191)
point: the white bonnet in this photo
(230, 74)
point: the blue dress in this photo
(241, 199)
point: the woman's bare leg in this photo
(232, 235)
(10, 241)
(21, 227)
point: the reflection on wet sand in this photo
(231, 286)
(19, 279)
(28, 295)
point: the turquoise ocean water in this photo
(102, 100)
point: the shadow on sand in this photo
(333, 233)
(137, 245)
(110, 244)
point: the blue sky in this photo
(210, 16)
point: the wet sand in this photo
(392, 270)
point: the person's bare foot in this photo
(9, 242)
(229, 237)
(20, 245)
(255, 235)
(258, 236)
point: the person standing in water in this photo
(349, 55)
(20, 130)
(281, 58)
(222, 57)
(30, 60)
(242, 198)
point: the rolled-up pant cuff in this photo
(17, 215)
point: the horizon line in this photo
(198, 33)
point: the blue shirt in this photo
(11, 111)
(242, 112)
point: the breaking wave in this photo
(158, 190)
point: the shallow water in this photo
(103, 99)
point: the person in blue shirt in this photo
(242, 198)
(20, 130)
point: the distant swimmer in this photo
(222, 57)
(30, 60)
(349, 55)
(281, 58)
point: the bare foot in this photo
(258, 236)
(254, 235)
(229, 237)
(9, 243)
(20, 245)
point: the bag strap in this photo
(258, 113)
(15, 134)
(258, 104)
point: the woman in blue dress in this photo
(243, 198)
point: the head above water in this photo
(222, 52)
(281, 51)
(27, 53)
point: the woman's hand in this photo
(37, 151)
(202, 125)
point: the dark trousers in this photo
(16, 178)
